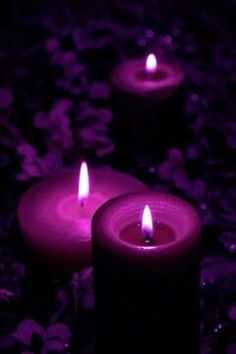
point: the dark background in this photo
(55, 109)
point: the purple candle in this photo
(147, 78)
(55, 214)
(146, 276)
(148, 101)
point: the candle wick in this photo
(82, 203)
(147, 236)
(149, 75)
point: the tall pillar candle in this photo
(56, 222)
(148, 100)
(146, 278)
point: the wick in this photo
(147, 237)
(82, 203)
(150, 75)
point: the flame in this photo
(147, 223)
(151, 64)
(83, 185)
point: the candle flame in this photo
(151, 64)
(147, 223)
(83, 185)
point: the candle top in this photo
(117, 214)
(161, 234)
(51, 198)
(147, 77)
(54, 223)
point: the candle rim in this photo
(100, 226)
(46, 195)
(125, 77)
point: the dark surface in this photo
(55, 107)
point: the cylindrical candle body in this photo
(146, 296)
(55, 227)
(148, 111)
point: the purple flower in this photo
(232, 312)
(6, 97)
(181, 180)
(52, 45)
(11, 274)
(99, 91)
(33, 165)
(55, 337)
(57, 122)
(231, 349)
(82, 288)
(73, 71)
(94, 129)
(176, 156)
(5, 295)
(25, 331)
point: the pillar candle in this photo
(148, 99)
(146, 283)
(56, 222)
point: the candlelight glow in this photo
(147, 223)
(83, 185)
(151, 64)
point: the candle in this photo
(55, 214)
(148, 100)
(146, 275)
(147, 78)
